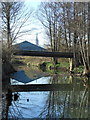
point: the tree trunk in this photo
(55, 60)
(87, 62)
(88, 50)
(86, 70)
(71, 61)
(8, 33)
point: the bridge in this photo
(45, 87)
(44, 54)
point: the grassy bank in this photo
(45, 63)
(30, 61)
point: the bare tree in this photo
(79, 24)
(50, 18)
(14, 19)
(83, 34)
(68, 25)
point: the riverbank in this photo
(7, 69)
(46, 64)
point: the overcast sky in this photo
(35, 24)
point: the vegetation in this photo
(46, 64)
(14, 18)
(63, 66)
(67, 26)
(79, 69)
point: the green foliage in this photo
(63, 64)
(49, 66)
(79, 69)
(59, 65)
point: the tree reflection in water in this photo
(7, 102)
(68, 104)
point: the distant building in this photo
(37, 41)
(27, 46)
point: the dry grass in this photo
(32, 60)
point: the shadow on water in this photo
(69, 102)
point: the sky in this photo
(36, 25)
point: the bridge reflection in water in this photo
(58, 97)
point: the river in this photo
(70, 101)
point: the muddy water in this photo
(70, 101)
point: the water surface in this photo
(70, 101)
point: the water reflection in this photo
(70, 103)
(65, 105)
(21, 77)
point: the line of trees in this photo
(67, 25)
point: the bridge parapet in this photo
(44, 54)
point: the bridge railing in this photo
(44, 54)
